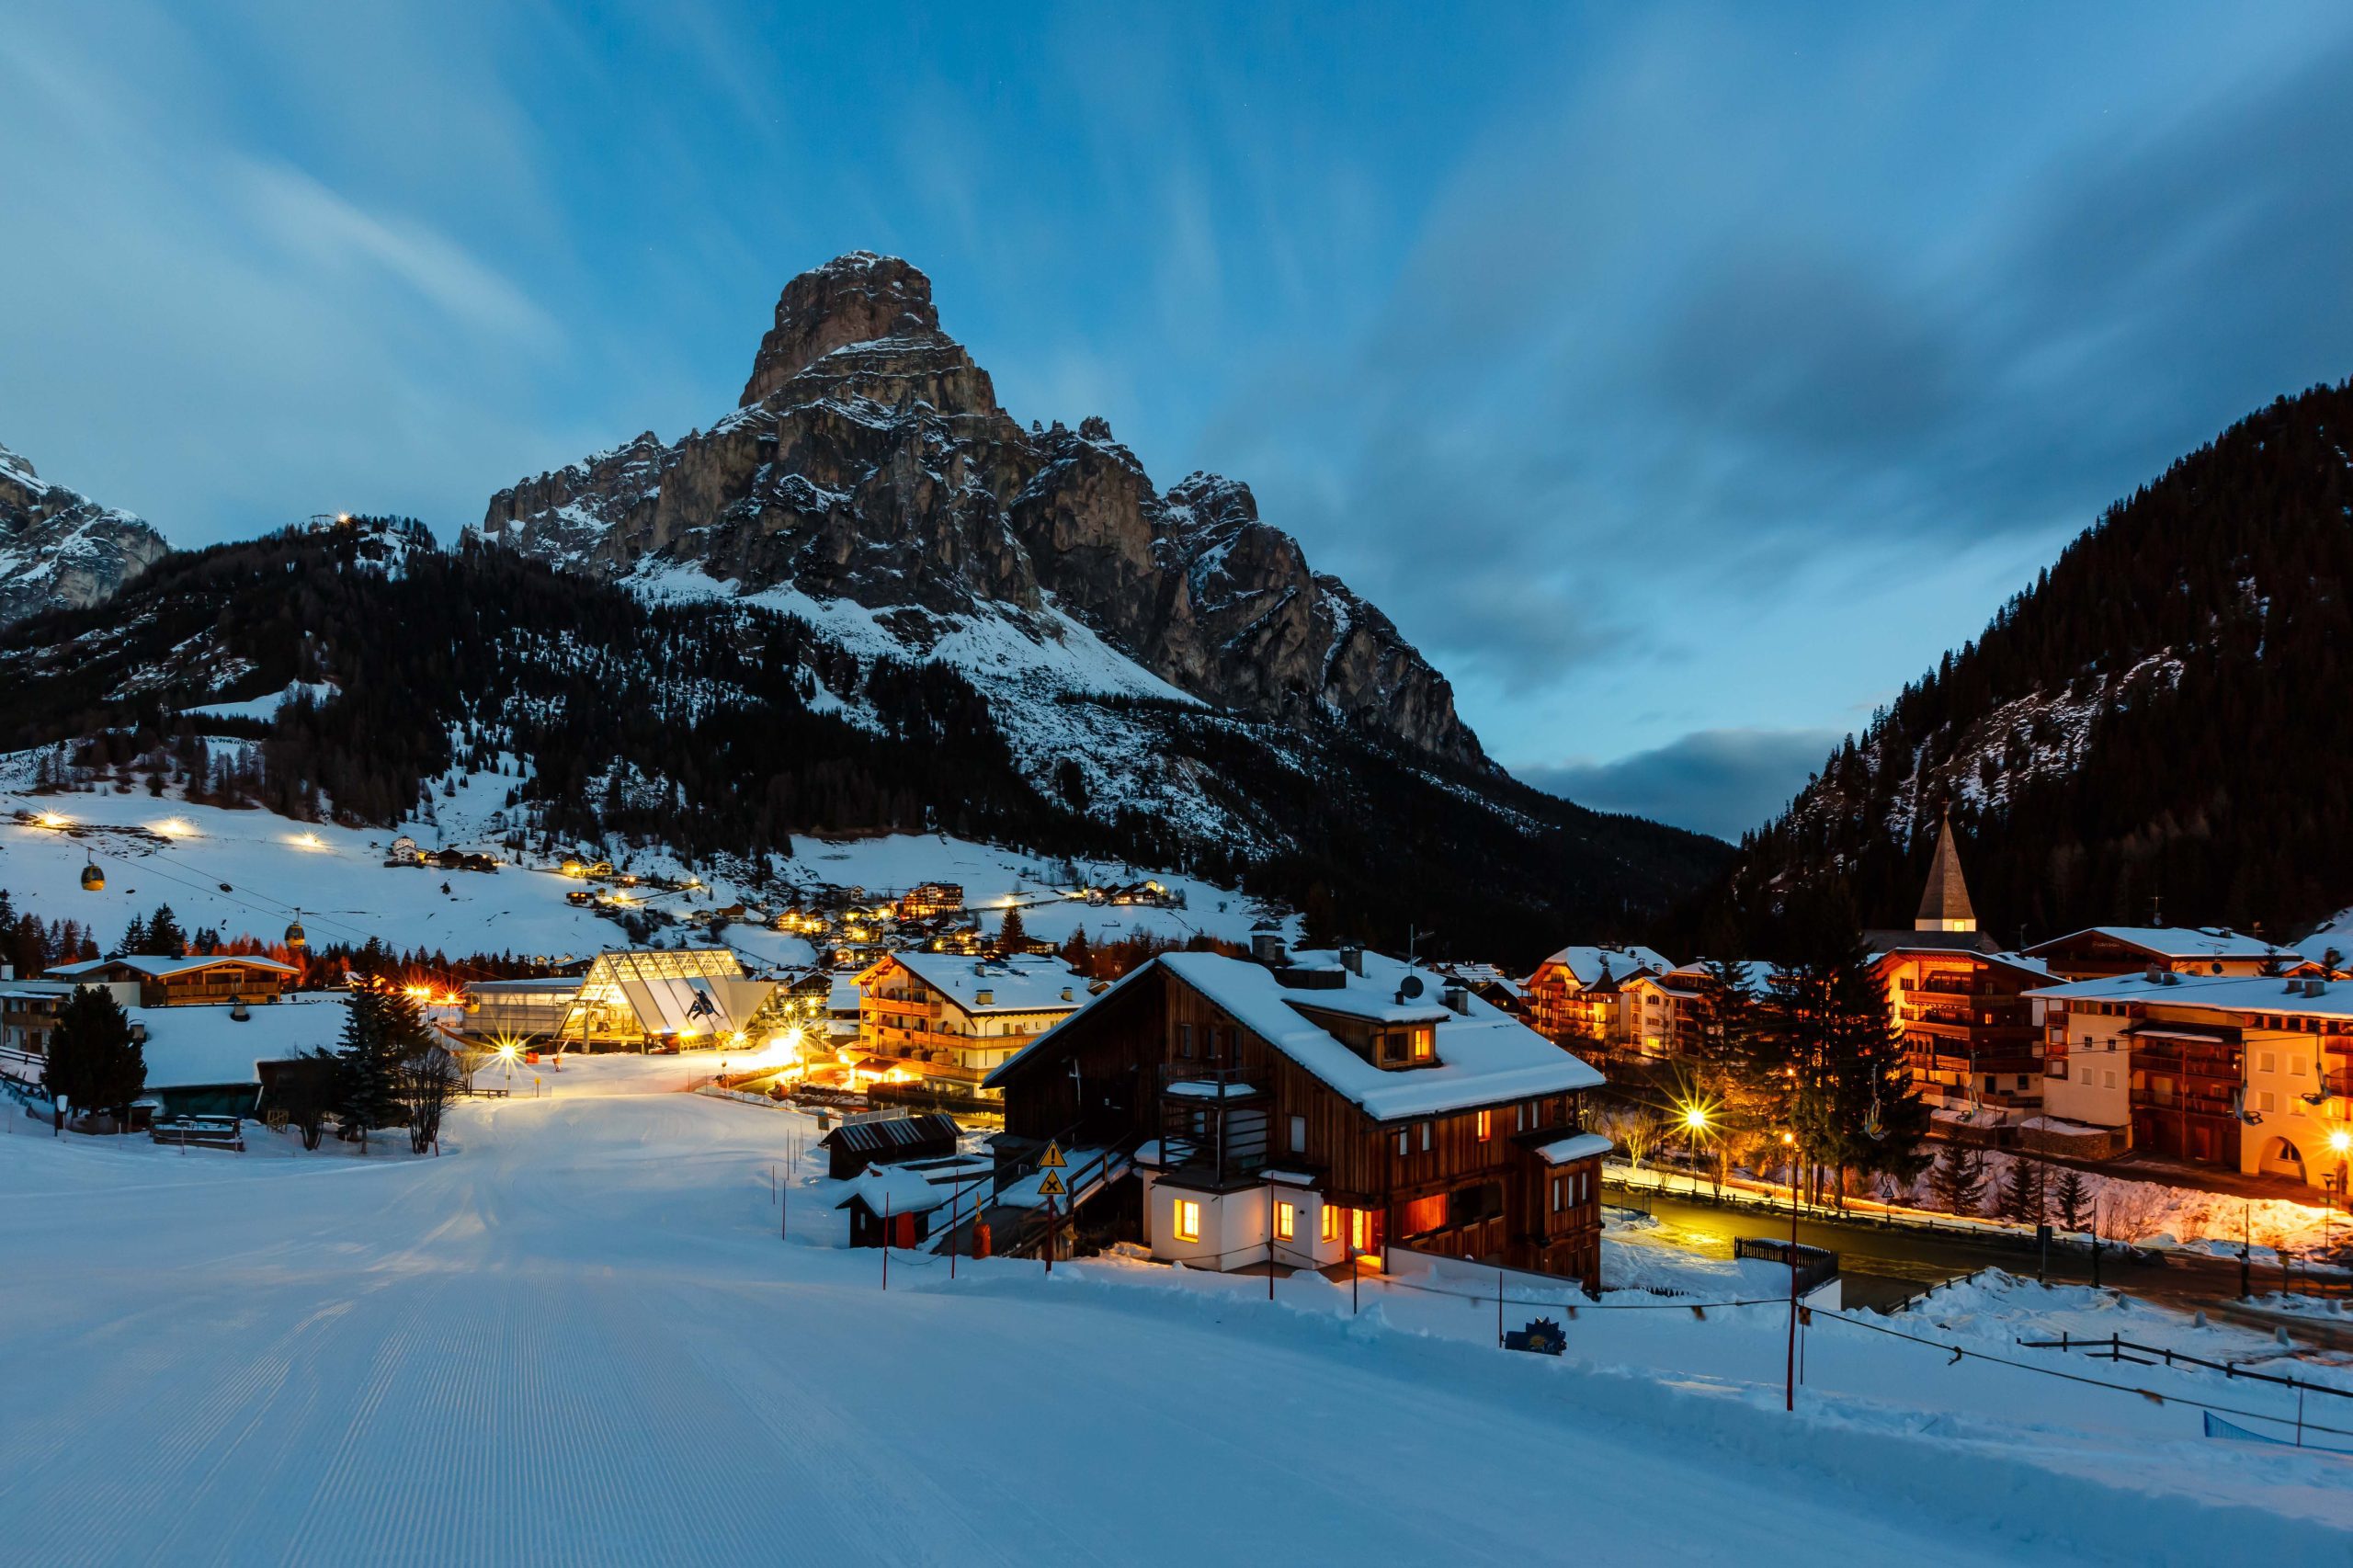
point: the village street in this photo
(1883, 1263)
(577, 1337)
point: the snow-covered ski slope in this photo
(167, 851)
(578, 1337)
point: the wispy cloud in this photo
(1718, 782)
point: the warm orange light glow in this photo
(175, 827)
(54, 819)
(1695, 1119)
(1286, 1221)
(2340, 1140)
(1188, 1227)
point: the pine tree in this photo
(382, 1031)
(1012, 938)
(2021, 1198)
(134, 939)
(1854, 1108)
(2071, 1199)
(1957, 1179)
(163, 933)
(93, 1061)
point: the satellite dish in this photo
(1410, 988)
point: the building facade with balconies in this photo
(949, 1021)
(2249, 1072)
(1303, 1111)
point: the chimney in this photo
(1267, 946)
(985, 998)
(1352, 960)
(1066, 995)
(1457, 997)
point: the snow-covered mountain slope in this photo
(60, 550)
(870, 477)
(246, 872)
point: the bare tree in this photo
(1635, 1127)
(427, 1080)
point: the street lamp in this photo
(2340, 1144)
(1695, 1123)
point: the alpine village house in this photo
(1311, 1109)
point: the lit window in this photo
(1286, 1221)
(1486, 1125)
(1330, 1230)
(1188, 1221)
(1422, 1044)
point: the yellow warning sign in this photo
(1052, 1186)
(1052, 1160)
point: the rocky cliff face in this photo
(869, 462)
(60, 550)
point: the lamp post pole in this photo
(1790, 1385)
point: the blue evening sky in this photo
(1682, 380)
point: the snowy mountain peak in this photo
(869, 475)
(60, 550)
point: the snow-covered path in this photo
(579, 1339)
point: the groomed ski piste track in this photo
(588, 1331)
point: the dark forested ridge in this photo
(2162, 717)
(716, 727)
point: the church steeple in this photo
(1944, 903)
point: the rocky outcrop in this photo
(857, 298)
(869, 461)
(60, 550)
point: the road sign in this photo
(1052, 1186)
(1052, 1160)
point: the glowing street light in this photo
(54, 819)
(1695, 1126)
(175, 827)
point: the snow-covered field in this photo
(578, 1337)
(158, 851)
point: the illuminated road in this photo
(1883, 1265)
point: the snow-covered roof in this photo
(156, 966)
(2177, 942)
(191, 1047)
(1484, 1056)
(1026, 985)
(2019, 962)
(1586, 964)
(2218, 993)
(897, 1190)
(1755, 976)
(1577, 1146)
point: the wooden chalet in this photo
(1307, 1111)
(945, 1021)
(2101, 951)
(1578, 996)
(184, 982)
(1970, 1038)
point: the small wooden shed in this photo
(888, 1140)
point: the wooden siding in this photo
(1157, 1026)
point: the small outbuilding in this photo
(894, 1208)
(888, 1140)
